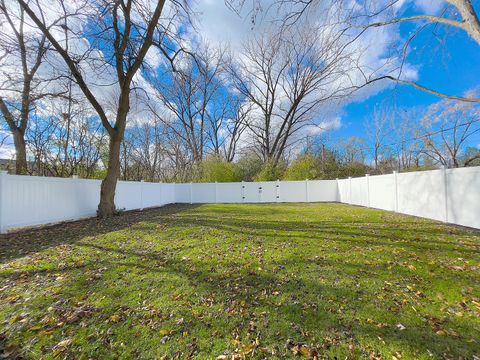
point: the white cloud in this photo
(7, 152)
(7, 149)
(221, 26)
(325, 125)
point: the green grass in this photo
(245, 281)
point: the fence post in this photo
(141, 194)
(395, 181)
(367, 176)
(242, 192)
(3, 179)
(339, 196)
(191, 193)
(350, 190)
(160, 189)
(445, 188)
(277, 191)
(306, 191)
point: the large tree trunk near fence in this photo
(106, 207)
(130, 48)
(20, 152)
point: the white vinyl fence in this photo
(447, 195)
(257, 192)
(34, 200)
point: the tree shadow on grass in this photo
(338, 306)
(306, 306)
(22, 243)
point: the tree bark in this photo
(20, 152)
(470, 21)
(106, 207)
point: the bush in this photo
(353, 169)
(270, 172)
(303, 167)
(214, 169)
(248, 166)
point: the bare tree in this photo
(377, 129)
(125, 31)
(144, 151)
(408, 145)
(352, 150)
(235, 127)
(195, 99)
(450, 124)
(287, 77)
(22, 54)
(457, 14)
(72, 140)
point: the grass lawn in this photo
(242, 281)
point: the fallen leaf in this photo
(115, 318)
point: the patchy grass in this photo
(242, 281)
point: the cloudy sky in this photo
(439, 58)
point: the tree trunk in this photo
(106, 207)
(470, 22)
(20, 152)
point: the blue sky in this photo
(450, 64)
(444, 59)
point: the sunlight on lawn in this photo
(248, 281)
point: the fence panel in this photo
(251, 192)
(292, 191)
(267, 191)
(28, 201)
(229, 192)
(359, 191)
(422, 194)
(382, 192)
(168, 193)
(183, 193)
(152, 195)
(128, 195)
(344, 190)
(463, 196)
(323, 190)
(204, 193)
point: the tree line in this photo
(113, 90)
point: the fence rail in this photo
(451, 195)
